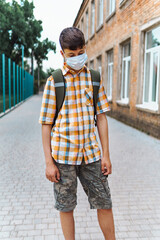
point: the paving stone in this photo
(26, 196)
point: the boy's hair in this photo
(71, 38)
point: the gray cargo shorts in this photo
(94, 183)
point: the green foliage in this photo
(39, 76)
(18, 27)
(4, 25)
(42, 74)
(41, 50)
(50, 71)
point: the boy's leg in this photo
(106, 223)
(68, 226)
(96, 186)
(65, 192)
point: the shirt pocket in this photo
(88, 96)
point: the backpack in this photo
(59, 83)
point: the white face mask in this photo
(77, 62)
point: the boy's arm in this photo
(52, 172)
(46, 141)
(102, 126)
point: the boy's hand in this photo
(106, 166)
(52, 173)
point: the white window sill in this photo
(109, 99)
(122, 3)
(92, 36)
(148, 107)
(99, 27)
(110, 15)
(123, 102)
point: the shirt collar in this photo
(66, 70)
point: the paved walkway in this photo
(26, 196)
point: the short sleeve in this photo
(102, 101)
(48, 107)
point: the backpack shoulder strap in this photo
(95, 77)
(59, 83)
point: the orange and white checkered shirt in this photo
(73, 135)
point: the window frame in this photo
(87, 25)
(110, 12)
(139, 101)
(99, 68)
(82, 24)
(100, 17)
(92, 30)
(126, 59)
(151, 104)
(90, 63)
(108, 66)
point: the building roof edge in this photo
(82, 4)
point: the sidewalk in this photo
(26, 196)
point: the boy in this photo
(71, 149)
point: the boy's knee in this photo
(104, 211)
(71, 211)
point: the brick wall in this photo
(129, 21)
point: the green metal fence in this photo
(15, 84)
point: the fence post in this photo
(14, 83)
(9, 80)
(17, 85)
(20, 88)
(32, 84)
(3, 77)
(22, 72)
(25, 85)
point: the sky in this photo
(55, 15)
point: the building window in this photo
(109, 73)
(126, 62)
(111, 5)
(91, 65)
(152, 68)
(82, 25)
(92, 16)
(100, 12)
(99, 64)
(87, 25)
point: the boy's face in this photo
(72, 53)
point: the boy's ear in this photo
(62, 53)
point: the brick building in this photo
(123, 43)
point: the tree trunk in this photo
(32, 62)
(38, 78)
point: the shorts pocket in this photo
(103, 177)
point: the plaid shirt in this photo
(73, 135)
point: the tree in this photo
(4, 25)
(18, 27)
(40, 52)
(33, 31)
